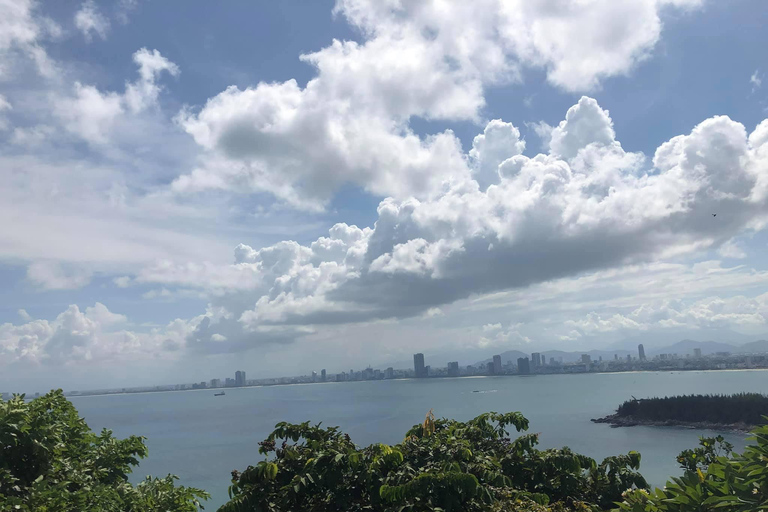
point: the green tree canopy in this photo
(441, 465)
(50, 461)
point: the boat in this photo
(219, 394)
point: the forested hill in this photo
(742, 408)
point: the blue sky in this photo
(171, 179)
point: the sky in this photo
(281, 187)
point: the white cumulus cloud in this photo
(587, 205)
(89, 20)
(350, 123)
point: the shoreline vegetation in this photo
(740, 412)
(50, 460)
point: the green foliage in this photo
(747, 408)
(715, 479)
(50, 461)
(441, 465)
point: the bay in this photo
(202, 438)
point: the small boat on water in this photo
(219, 394)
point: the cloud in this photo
(350, 123)
(731, 249)
(52, 275)
(21, 33)
(711, 312)
(585, 123)
(82, 337)
(122, 281)
(92, 114)
(588, 205)
(89, 20)
(756, 80)
(124, 9)
(4, 107)
(495, 336)
(24, 315)
(143, 93)
(433, 313)
(498, 142)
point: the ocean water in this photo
(202, 438)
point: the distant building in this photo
(641, 352)
(426, 370)
(239, 378)
(600, 359)
(453, 369)
(229, 383)
(697, 353)
(523, 366)
(536, 359)
(629, 358)
(314, 376)
(615, 357)
(341, 377)
(322, 375)
(586, 359)
(489, 368)
(552, 361)
(377, 374)
(497, 365)
(389, 373)
(418, 366)
(215, 383)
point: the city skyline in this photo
(754, 356)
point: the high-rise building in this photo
(641, 352)
(629, 358)
(551, 361)
(314, 376)
(453, 369)
(536, 359)
(229, 383)
(497, 365)
(586, 358)
(389, 373)
(697, 353)
(418, 366)
(523, 366)
(239, 378)
(322, 375)
(489, 367)
(615, 357)
(215, 383)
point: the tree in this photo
(714, 479)
(51, 461)
(441, 465)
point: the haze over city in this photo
(334, 185)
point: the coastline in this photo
(616, 421)
(87, 393)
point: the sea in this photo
(201, 438)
